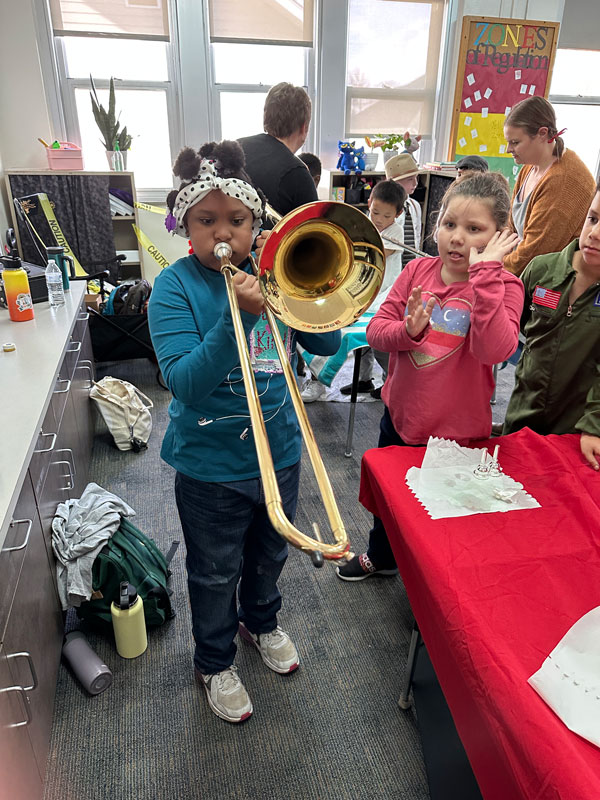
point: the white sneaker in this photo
(226, 694)
(276, 649)
(314, 391)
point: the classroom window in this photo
(575, 95)
(242, 77)
(144, 101)
(392, 65)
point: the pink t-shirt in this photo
(441, 385)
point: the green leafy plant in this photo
(107, 122)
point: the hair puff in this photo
(187, 164)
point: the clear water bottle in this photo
(54, 282)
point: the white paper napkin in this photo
(446, 486)
(569, 679)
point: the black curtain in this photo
(81, 207)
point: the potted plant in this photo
(109, 124)
(390, 143)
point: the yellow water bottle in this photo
(16, 290)
(128, 621)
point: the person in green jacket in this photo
(557, 381)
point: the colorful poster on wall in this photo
(501, 62)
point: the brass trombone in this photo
(319, 270)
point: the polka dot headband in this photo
(207, 181)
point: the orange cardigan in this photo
(555, 212)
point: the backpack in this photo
(128, 298)
(131, 556)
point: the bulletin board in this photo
(501, 61)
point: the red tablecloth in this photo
(493, 594)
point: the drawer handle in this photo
(69, 476)
(68, 450)
(47, 449)
(63, 391)
(83, 317)
(26, 655)
(22, 546)
(25, 705)
(87, 365)
(75, 349)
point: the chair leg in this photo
(404, 700)
(353, 394)
(495, 374)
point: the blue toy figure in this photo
(347, 159)
(359, 152)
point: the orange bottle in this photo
(16, 289)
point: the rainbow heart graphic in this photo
(450, 322)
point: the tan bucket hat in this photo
(400, 167)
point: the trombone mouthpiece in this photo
(222, 250)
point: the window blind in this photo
(261, 21)
(394, 92)
(147, 19)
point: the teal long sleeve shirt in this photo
(209, 436)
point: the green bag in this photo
(131, 556)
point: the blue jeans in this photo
(380, 551)
(230, 541)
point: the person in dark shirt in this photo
(270, 159)
(314, 166)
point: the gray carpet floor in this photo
(332, 729)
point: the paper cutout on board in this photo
(532, 89)
(467, 121)
(488, 93)
(507, 111)
(484, 112)
(517, 74)
(523, 88)
(474, 133)
(483, 148)
(462, 142)
(468, 102)
(502, 149)
(471, 79)
(477, 95)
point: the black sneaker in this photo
(361, 567)
(362, 388)
(376, 393)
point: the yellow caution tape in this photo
(150, 248)
(58, 234)
(153, 209)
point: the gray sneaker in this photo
(276, 649)
(226, 694)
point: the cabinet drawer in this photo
(14, 548)
(43, 450)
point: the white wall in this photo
(24, 114)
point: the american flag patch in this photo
(546, 297)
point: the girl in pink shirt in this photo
(445, 323)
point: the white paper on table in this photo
(446, 486)
(462, 142)
(468, 102)
(470, 79)
(488, 93)
(569, 678)
(484, 112)
(468, 121)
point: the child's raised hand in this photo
(418, 316)
(500, 245)
(590, 447)
(248, 293)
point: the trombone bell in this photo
(321, 266)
